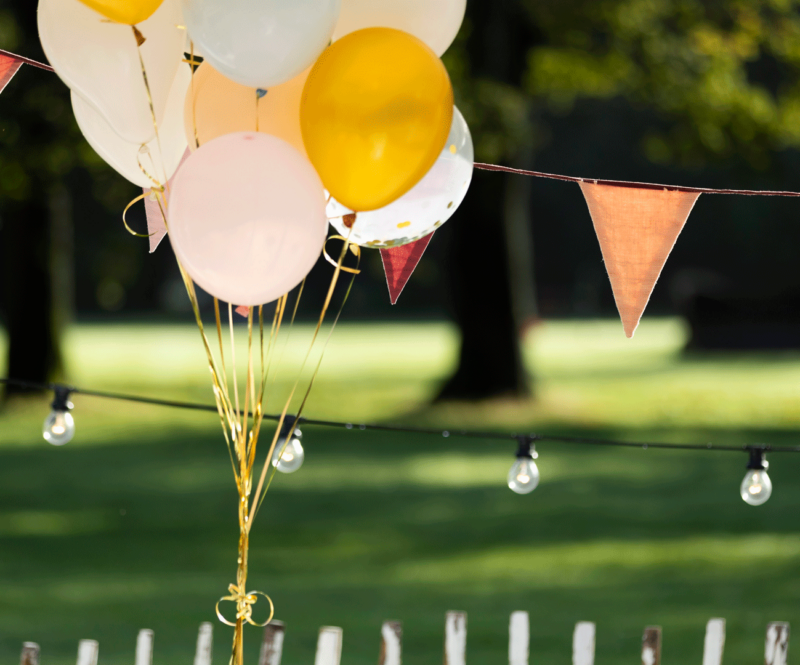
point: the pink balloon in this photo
(247, 217)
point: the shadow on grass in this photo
(101, 541)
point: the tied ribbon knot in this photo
(244, 606)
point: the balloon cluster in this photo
(302, 112)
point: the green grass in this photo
(133, 524)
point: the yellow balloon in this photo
(129, 12)
(215, 106)
(375, 114)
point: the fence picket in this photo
(144, 647)
(30, 654)
(776, 647)
(455, 638)
(87, 652)
(272, 644)
(329, 646)
(583, 643)
(651, 646)
(205, 644)
(714, 643)
(518, 639)
(391, 643)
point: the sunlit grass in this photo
(133, 523)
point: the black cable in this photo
(494, 436)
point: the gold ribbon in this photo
(244, 606)
(141, 197)
(351, 246)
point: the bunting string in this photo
(633, 184)
(537, 174)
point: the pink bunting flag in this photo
(9, 66)
(637, 229)
(155, 220)
(242, 310)
(399, 264)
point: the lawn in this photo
(133, 524)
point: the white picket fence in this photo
(329, 644)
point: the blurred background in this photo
(508, 322)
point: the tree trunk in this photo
(490, 359)
(33, 348)
(490, 270)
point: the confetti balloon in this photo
(435, 22)
(247, 217)
(375, 113)
(215, 106)
(422, 210)
(129, 12)
(261, 43)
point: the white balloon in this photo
(99, 60)
(435, 22)
(423, 209)
(160, 158)
(260, 43)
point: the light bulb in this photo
(290, 458)
(59, 427)
(524, 476)
(756, 487)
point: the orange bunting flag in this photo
(8, 67)
(399, 263)
(637, 229)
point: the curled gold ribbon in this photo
(141, 197)
(244, 606)
(351, 246)
(156, 189)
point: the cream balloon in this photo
(424, 208)
(99, 60)
(159, 158)
(215, 105)
(247, 217)
(435, 22)
(261, 43)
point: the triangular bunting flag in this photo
(155, 220)
(8, 67)
(637, 229)
(399, 263)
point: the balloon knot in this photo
(140, 38)
(349, 219)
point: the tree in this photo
(493, 300)
(40, 146)
(712, 82)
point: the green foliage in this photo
(718, 78)
(722, 78)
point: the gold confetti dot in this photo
(453, 148)
(450, 205)
(403, 225)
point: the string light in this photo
(523, 477)
(289, 457)
(59, 426)
(756, 487)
